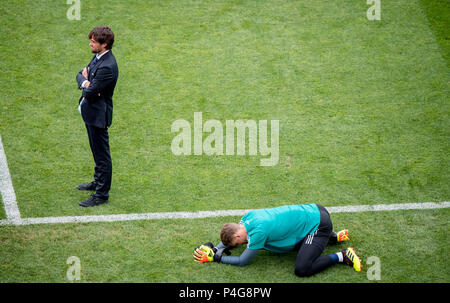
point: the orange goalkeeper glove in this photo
(203, 254)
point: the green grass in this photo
(364, 119)
(412, 247)
(438, 14)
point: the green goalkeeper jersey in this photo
(279, 229)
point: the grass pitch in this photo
(364, 119)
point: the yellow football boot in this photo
(352, 259)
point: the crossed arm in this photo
(82, 78)
(103, 78)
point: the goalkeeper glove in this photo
(204, 254)
(208, 253)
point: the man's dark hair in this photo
(103, 34)
(227, 233)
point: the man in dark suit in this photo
(98, 80)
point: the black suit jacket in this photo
(97, 110)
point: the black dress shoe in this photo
(93, 201)
(89, 186)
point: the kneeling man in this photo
(304, 228)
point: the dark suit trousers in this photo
(99, 142)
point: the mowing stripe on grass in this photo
(7, 190)
(13, 214)
(217, 213)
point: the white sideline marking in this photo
(217, 213)
(379, 207)
(7, 190)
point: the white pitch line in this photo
(7, 190)
(380, 207)
(217, 213)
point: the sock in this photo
(337, 257)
